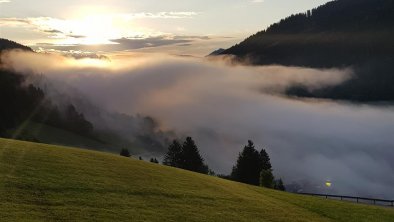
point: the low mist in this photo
(222, 105)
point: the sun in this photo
(92, 26)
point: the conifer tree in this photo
(191, 158)
(154, 160)
(266, 176)
(125, 153)
(173, 155)
(279, 185)
(265, 160)
(267, 179)
(248, 166)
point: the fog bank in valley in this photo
(222, 105)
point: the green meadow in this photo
(41, 182)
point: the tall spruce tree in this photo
(267, 178)
(265, 160)
(174, 155)
(191, 158)
(248, 166)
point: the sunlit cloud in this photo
(89, 30)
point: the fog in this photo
(222, 105)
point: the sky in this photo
(194, 27)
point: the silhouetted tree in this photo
(266, 179)
(173, 155)
(154, 160)
(211, 172)
(248, 166)
(125, 153)
(140, 158)
(278, 185)
(265, 160)
(191, 158)
(186, 156)
(266, 176)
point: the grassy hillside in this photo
(34, 131)
(48, 183)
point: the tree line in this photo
(252, 167)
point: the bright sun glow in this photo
(93, 27)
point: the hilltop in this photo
(341, 33)
(51, 183)
(6, 44)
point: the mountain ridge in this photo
(338, 34)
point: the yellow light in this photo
(92, 26)
(328, 184)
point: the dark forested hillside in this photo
(8, 44)
(26, 109)
(21, 101)
(341, 33)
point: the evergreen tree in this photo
(266, 176)
(248, 166)
(173, 156)
(125, 153)
(279, 185)
(267, 179)
(154, 160)
(191, 158)
(265, 160)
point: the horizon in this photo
(175, 27)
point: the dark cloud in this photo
(76, 36)
(125, 44)
(128, 44)
(52, 31)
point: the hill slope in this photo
(6, 44)
(43, 182)
(341, 33)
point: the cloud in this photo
(52, 31)
(124, 44)
(222, 106)
(165, 15)
(257, 1)
(51, 23)
(96, 29)
(5, 1)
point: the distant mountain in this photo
(6, 44)
(341, 33)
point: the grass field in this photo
(33, 131)
(50, 183)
